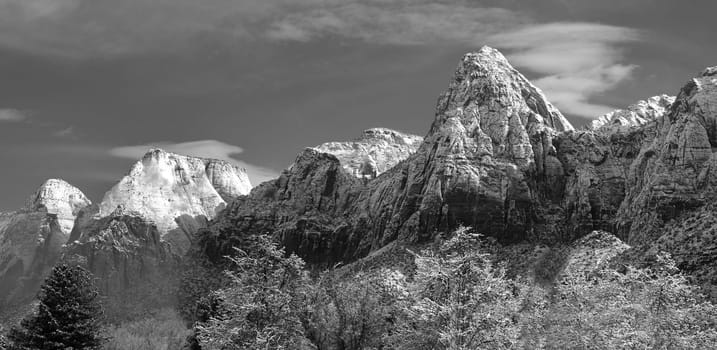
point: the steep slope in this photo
(374, 152)
(32, 239)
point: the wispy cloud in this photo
(12, 115)
(68, 132)
(401, 22)
(204, 148)
(577, 61)
(89, 28)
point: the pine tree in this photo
(68, 314)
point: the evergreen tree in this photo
(68, 315)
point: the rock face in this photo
(177, 193)
(675, 172)
(132, 265)
(32, 239)
(635, 115)
(376, 151)
(60, 198)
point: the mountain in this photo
(32, 238)
(500, 158)
(133, 240)
(374, 152)
(491, 139)
(638, 114)
(177, 193)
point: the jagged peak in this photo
(709, 71)
(486, 82)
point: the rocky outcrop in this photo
(32, 239)
(635, 115)
(376, 151)
(177, 193)
(675, 172)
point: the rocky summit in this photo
(635, 115)
(177, 193)
(32, 238)
(374, 152)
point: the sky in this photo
(86, 86)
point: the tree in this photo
(459, 300)
(639, 308)
(68, 314)
(265, 305)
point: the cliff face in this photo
(132, 265)
(32, 239)
(376, 151)
(674, 172)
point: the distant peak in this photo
(709, 71)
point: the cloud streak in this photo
(12, 115)
(408, 23)
(577, 61)
(205, 149)
(90, 28)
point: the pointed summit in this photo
(486, 84)
(60, 198)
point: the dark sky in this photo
(87, 85)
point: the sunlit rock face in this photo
(638, 114)
(177, 193)
(374, 152)
(60, 198)
(32, 239)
